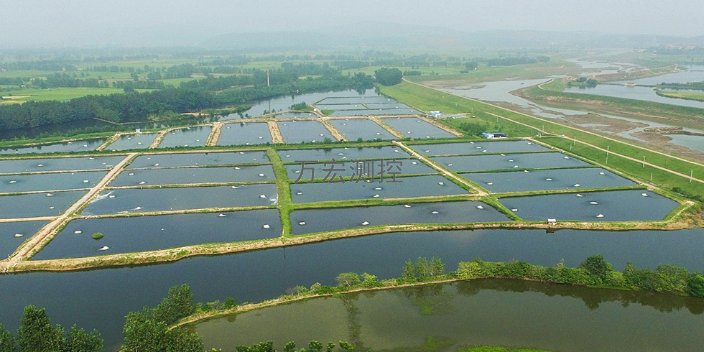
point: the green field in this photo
(60, 94)
(683, 95)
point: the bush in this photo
(348, 279)
(97, 236)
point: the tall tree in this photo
(36, 334)
(81, 341)
(7, 342)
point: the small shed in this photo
(552, 222)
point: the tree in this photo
(290, 347)
(178, 304)
(348, 279)
(436, 266)
(143, 333)
(423, 267)
(346, 346)
(81, 341)
(36, 333)
(315, 346)
(409, 270)
(388, 76)
(695, 286)
(7, 342)
(184, 340)
(597, 266)
(229, 303)
(369, 280)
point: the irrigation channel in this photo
(277, 222)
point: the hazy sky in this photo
(46, 22)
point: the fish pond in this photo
(405, 187)
(133, 141)
(412, 127)
(50, 182)
(13, 234)
(295, 155)
(244, 134)
(37, 204)
(64, 147)
(348, 169)
(59, 164)
(199, 159)
(544, 180)
(181, 198)
(377, 112)
(146, 233)
(194, 175)
(186, 137)
(365, 129)
(319, 220)
(476, 147)
(474, 313)
(508, 161)
(295, 132)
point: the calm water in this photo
(162, 199)
(637, 93)
(186, 137)
(37, 204)
(349, 169)
(692, 74)
(244, 134)
(369, 98)
(295, 132)
(341, 106)
(629, 205)
(59, 164)
(354, 129)
(417, 128)
(476, 313)
(133, 141)
(65, 147)
(255, 276)
(194, 175)
(376, 112)
(341, 154)
(318, 220)
(8, 231)
(509, 161)
(146, 233)
(50, 182)
(387, 106)
(199, 159)
(293, 115)
(477, 147)
(691, 142)
(538, 180)
(407, 187)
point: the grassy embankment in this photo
(425, 98)
(682, 95)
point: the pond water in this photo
(59, 164)
(37, 204)
(146, 233)
(186, 137)
(349, 169)
(244, 134)
(9, 241)
(50, 182)
(387, 106)
(475, 313)
(508, 161)
(691, 142)
(295, 115)
(637, 93)
(364, 99)
(181, 198)
(295, 132)
(628, 205)
(133, 141)
(477, 147)
(341, 154)
(543, 180)
(341, 106)
(199, 159)
(319, 220)
(416, 128)
(194, 175)
(354, 129)
(691, 74)
(255, 276)
(406, 187)
(65, 147)
(378, 112)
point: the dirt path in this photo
(26, 250)
(275, 132)
(388, 128)
(158, 139)
(40, 218)
(334, 131)
(446, 173)
(215, 134)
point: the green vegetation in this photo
(97, 236)
(388, 76)
(583, 82)
(498, 349)
(682, 95)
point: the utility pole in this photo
(644, 161)
(607, 154)
(267, 78)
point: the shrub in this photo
(97, 236)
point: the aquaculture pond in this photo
(295, 155)
(295, 132)
(50, 182)
(405, 187)
(244, 134)
(37, 204)
(412, 127)
(146, 233)
(59, 164)
(13, 234)
(64, 147)
(691, 142)
(628, 205)
(508, 161)
(181, 198)
(255, 276)
(636, 93)
(341, 106)
(354, 129)
(543, 180)
(348, 169)
(193, 175)
(364, 99)
(474, 313)
(186, 137)
(375, 112)
(133, 141)
(294, 115)
(199, 159)
(477, 147)
(318, 220)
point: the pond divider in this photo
(276, 137)
(388, 128)
(334, 131)
(214, 134)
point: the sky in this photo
(52, 22)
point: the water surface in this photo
(508, 161)
(304, 172)
(199, 159)
(295, 155)
(37, 204)
(59, 164)
(244, 134)
(477, 147)
(64, 147)
(186, 137)
(9, 231)
(132, 141)
(544, 180)
(50, 182)
(194, 175)
(416, 128)
(354, 129)
(295, 132)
